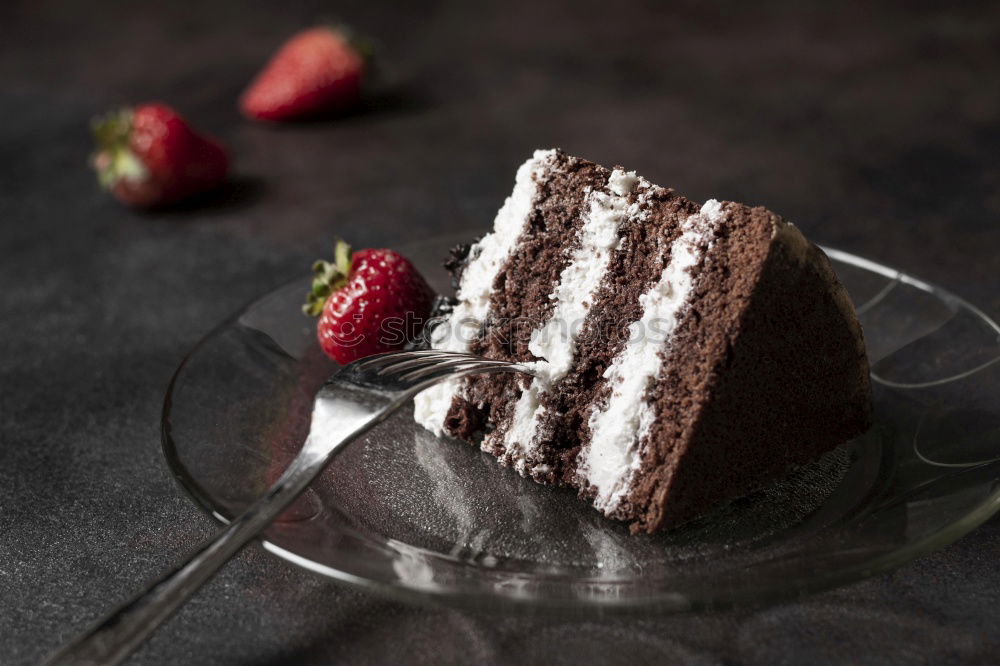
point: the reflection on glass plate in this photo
(434, 519)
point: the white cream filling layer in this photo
(555, 341)
(610, 460)
(487, 258)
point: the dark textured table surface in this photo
(877, 131)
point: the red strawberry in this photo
(371, 302)
(150, 156)
(316, 71)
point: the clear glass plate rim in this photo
(666, 600)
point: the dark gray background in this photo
(876, 130)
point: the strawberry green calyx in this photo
(114, 159)
(327, 278)
(361, 44)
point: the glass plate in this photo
(419, 517)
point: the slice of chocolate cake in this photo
(684, 355)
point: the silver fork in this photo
(356, 398)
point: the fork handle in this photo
(114, 637)
(126, 627)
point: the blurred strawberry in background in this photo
(317, 71)
(149, 156)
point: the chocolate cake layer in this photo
(620, 420)
(478, 270)
(518, 306)
(634, 266)
(682, 355)
(767, 371)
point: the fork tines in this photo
(382, 360)
(419, 364)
